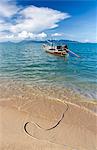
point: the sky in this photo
(48, 19)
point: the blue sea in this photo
(27, 62)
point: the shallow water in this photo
(28, 62)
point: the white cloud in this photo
(29, 35)
(42, 35)
(38, 19)
(86, 40)
(21, 36)
(6, 37)
(7, 9)
(57, 34)
(29, 21)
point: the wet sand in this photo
(41, 118)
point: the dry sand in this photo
(40, 121)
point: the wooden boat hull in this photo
(54, 51)
(61, 54)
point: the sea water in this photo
(28, 62)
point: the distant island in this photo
(61, 41)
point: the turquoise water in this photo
(29, 63)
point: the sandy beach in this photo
(36, 119)
(48, 75)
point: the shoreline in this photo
(38, 118)
(11, 88)
(43, 84)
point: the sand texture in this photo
(40, 121)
